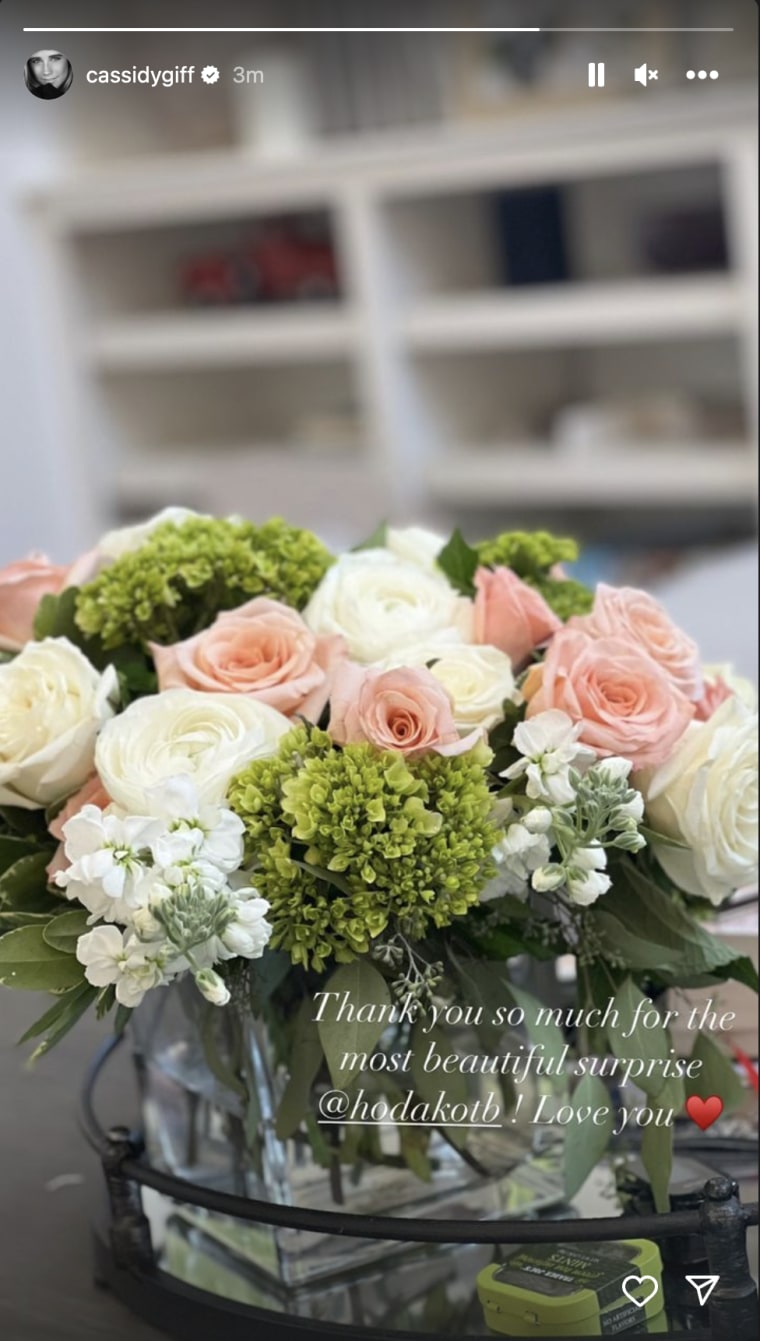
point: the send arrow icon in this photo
(704, 1286)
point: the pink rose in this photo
(91, 793)
(510, 615)
(627, 704)
(406, 710)
(22, 586)
(634, 616)
(263, 649)
(715, 692)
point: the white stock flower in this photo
(53, 702)
(521, 852)
(207, 737)
(705, 795)
(586, 878)
(105, 850)
(113, 957)
(586, 888)
(249, 933)
(549, 745)
(415, 544)
(380, 603)
(212, 987)
(478, 678)
(210, 833)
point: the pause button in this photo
(596, 74)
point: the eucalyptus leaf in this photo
(657, 1158)
(306, 1057)
(342, 1038)
(28, 963)
(459, 562)
(585, 1140)
(716, 1075)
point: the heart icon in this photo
(704, 1111)
(632, 1283)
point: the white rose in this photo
(182, 733)
(380, 603)
(114, 544)
(478, 678)
(705, 796)
(127, 538)
(415, 545)
(53, 702)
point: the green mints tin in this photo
(572, 1290)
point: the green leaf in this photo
(637, 918)
(13, 847)
(585, 1141)
(23, 887)
(28, 963)
(378, 539)
(365, 987)
(266, 975)
(10, 919)
(460, 563)
(740, 970)
(27, 823)
(305, 1059)
(657, 1158)
(429, 1085)
(61, 1017)
(55, 616)
(542, 1032)
(716, 1076)
(652, 836)
(629, 1041)
(63, 932)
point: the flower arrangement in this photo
(229, 755)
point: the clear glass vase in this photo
(203, 1125)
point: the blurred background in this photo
(430, 277)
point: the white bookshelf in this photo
(445, 378)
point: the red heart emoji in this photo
(704, 1111)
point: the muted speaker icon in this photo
(643, 75)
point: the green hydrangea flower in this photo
(531, 554)
(185, 574)
(347, 841)
(527, 553)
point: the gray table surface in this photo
(51, 1185)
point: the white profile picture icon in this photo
(48, 74)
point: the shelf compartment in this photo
(229, 338)
(310, 402)
(577, 314)
(538, 474)
(248, 478)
